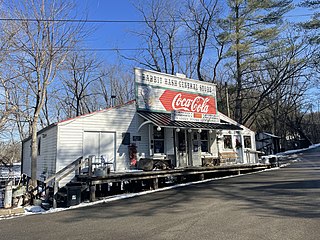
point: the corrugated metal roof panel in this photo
(164, 120)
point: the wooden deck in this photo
(154, 178)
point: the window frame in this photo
(158, 137)
(204, 141)
(245, 137)
(230, 145)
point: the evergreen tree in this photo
(313, 25)
(249, 27)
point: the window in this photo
(39, 146)
(204, 141)
(247, 141)
(126, 138)
(158, 138)
(227, 142)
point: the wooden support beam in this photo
(92, 193)
(90, 166)
(201, 176)
(155, 183)
(55, 192)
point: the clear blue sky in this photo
(111, 35)
(119, 35)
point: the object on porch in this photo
(210, 161)
(227, 158)
(149, 164)
(133, 155)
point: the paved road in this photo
(280, 204)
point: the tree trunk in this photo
(34, 151)
(238, 106)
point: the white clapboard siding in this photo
(46, 160)
(245, 132)
(46, 164)
(64, 142)
(117, 120)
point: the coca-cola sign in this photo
(188, 102)
(184, 98)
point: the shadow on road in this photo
(292, 191)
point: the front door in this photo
(182, 151)
(195, 148)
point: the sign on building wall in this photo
(186, 99)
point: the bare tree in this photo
(7, 108)
(200, 21)
(275, 103)
(80, 73)
(10, 152)
(162, 37)
(115, 86)
(42, 46)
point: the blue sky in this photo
(111, 35)
(119, 35)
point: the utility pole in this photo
(227, 98)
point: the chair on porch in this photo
(108, 162)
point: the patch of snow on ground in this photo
(33, 209)
(299, 150)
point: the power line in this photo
(124, 49)
(84, 20)
(107, 49)
(119, 21)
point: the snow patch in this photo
(299, 150)
(34, 209)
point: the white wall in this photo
(143, 146)
(64, 143)
(243, 156)
(48, 153)
(214, 144)
(46, 159)
(117, 120)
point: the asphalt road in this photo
(280, 204)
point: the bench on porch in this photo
(210, 161)
(228, 157)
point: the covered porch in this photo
(181, 144)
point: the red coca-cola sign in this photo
(188, 102)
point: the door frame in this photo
(185, 153)
(99, 147)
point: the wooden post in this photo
(155, 183)
(55, 192)
(78, 168)
(201, 176)
(92, 193)
(90, 165)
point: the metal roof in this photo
(164, 120)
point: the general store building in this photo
(173, 118)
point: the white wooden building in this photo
(113, 133)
